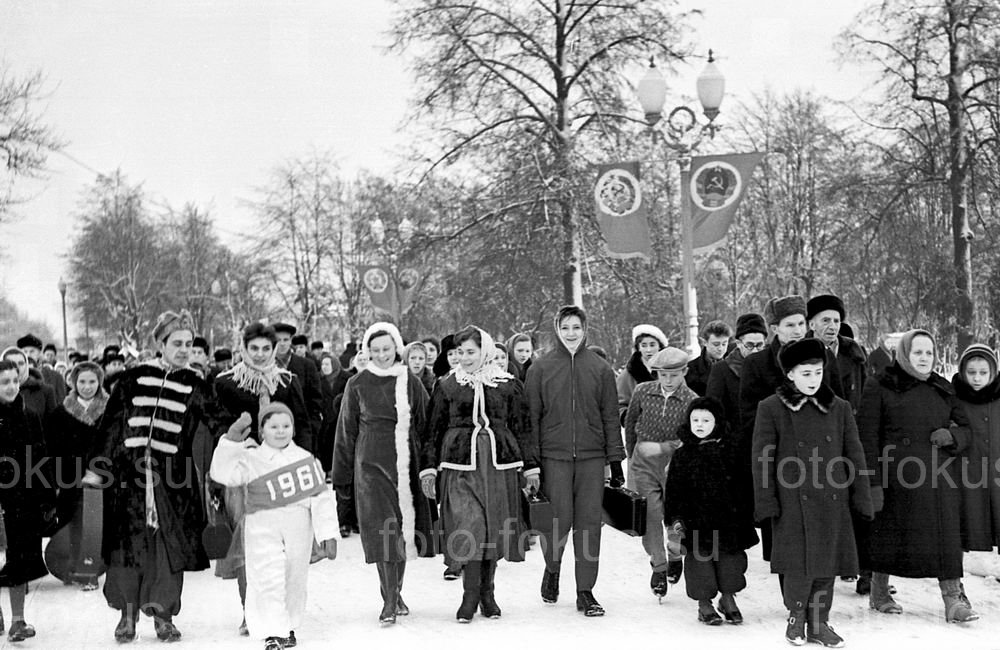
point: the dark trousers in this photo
(862, 530)
(347, 514)
(576, 492)
(704, 577)
(812, 595)
(150, 586)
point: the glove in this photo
(240, 429)
(678, 528)
(533, 483)
(329, 548)
(428, 486)
(942, 438)
(878, 499)
(617, 475)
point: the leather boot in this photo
(880, 599)
(487, 603)
(401, 608)
(471, 578)
(957, 608)
(389, 587)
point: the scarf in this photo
(263, 380)
(402, 429)
(735, 361)
(485, 374)
(89, 414)
(903, 353)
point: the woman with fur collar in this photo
(377, 451)
(476, 438)
(647, 340)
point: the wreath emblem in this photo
(618, 193)
(376, 280)
(715, 185)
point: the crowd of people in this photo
(781, 431)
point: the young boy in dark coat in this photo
(703, 505)
(809, 475)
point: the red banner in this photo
(381, 287)
(621, 210)
(717, 186)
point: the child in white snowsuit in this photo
(288, 503)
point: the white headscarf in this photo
(262, 381)
(486, 373)
(393, 332)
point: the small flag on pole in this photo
(621, 210)
(381, 287)
(717, 186)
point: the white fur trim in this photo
(528, 473)
(393, 331)
(428, 472)
(650, 330)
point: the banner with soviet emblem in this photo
(381, 287)
(717, 186)
(621, 210)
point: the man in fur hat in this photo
(308, 375)
(826, 314)
(32, 346)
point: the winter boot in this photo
(864, 585)
(274, 643)
(729, 609)
(487, 603)
(675, 568)
(452, 573)
(125, 630)
(550, 586)
(795, 633)
(658, 583)
(880, 599)
(824, 635)
(290, 640)
(471, 578)
(586, 603)
(389, 587)
(956, 608)
(401, 607)
(707, 613)
(166, 630)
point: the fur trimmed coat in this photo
(69, 438)
(980, 465)
(808, 478)
(164, 409)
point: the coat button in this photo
(801, 444)
(829, 439)
(906, 441)
(834, 497)
(805, 497)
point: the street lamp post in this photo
(682, 135)
(62, 292)
(389, 243)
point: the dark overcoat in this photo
(724, 385)
(918, 532)
(980, 470)
(807, 479)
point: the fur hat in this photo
(649, 330)
(825, 302)
(300, 339)
(200, 342)
(777, 309)
(711, 405)
(29, 341)
(801, 351)
(222, 354)
(750, 324)
(846, 330)
(382, 326)
(316, 345)
(669, 359)
(50, 346)
(285, 327)
(272, 408)
(170, 322)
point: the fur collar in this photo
(92, 413)
(989, 393)
(638, 369)
(794, 400)
(896, 379)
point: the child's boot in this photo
(795, 633)
(957, 608)
(727, 605)
(707, 613)
(471, 577)
(880, 599)
(274, 643)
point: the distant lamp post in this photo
(378, 230)
(62, 292)
(406, 230)
(682, 134)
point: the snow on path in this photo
(344, 604)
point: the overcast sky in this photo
(199, 99)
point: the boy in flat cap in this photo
(657, 410)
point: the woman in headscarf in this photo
(520, 352)
(911, 424)
(377, 451)
(476, 436)
(415, 358)
(22, 501)
(254, 382)
(647, 340)
(70, 437)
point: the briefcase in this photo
(539, 511)
(625, 510)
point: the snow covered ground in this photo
(344, 604)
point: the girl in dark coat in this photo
(70, 437)
(476, 434)
(808, 476)
(38, 396)
(977, 386)
(647, 340)
(702, 502)
(911, 424)
(377, 451)
(22, 500)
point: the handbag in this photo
(218, 534)
(625, 510)
(539, 511)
